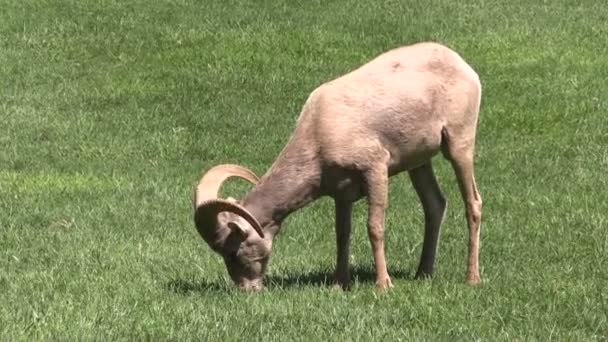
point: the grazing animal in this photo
(390, 115)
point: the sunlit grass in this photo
(109, 111)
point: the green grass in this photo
(110, 110)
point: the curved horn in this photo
(206, 213)
(209, 185)
(206, 204)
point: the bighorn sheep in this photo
(392, 114)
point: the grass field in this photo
(110, 110)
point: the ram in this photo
(390, 115)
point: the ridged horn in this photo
(207, 205)
(206, 213)
(209, 186)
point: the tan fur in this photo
(391, 115)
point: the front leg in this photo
(343, 229)
(377, 198)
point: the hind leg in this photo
(434, 206)
(460, 151)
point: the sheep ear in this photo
(235, 227)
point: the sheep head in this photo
(230, 229)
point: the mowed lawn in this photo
(110, 110)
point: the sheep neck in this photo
(291, 183)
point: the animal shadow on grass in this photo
(320, 278)
(323, 278)
(185, 287)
